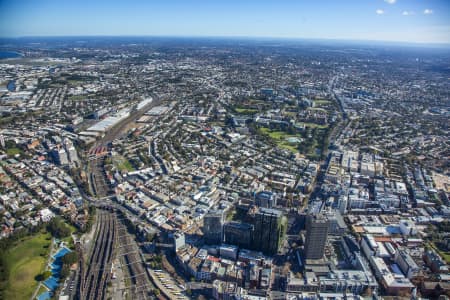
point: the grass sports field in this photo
(280, 138)
(23, 262)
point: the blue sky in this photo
(425, 21)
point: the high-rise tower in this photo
(270, 227)
(316, 236)
(212, 227)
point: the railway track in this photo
(97, 274)
(140, 285)
(98, 180)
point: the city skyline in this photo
(412, 21)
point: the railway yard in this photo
(137, 283)
(97, 272)
(113, 242)
(98, 181)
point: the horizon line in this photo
(248, 37)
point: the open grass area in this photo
(75, 81)
(126, 166)
(308, 146)
(122, 164)
(317, 108)
(13, 151)
(291, 114)
(288, 146)
(69, 240)
(322, 102)
(23, 262)
(246, 111)
(444, 254)
(252, 101)
(280, 138)
(77, 97)
(314, 125)
(275, 134)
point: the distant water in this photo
(11, 86)
(9, 54)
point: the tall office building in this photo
(60, 156)
(316, 236)
(270, 225)
(178, 241)
(238, 234)
(71, 151)
(342, 204)
(212, 227)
